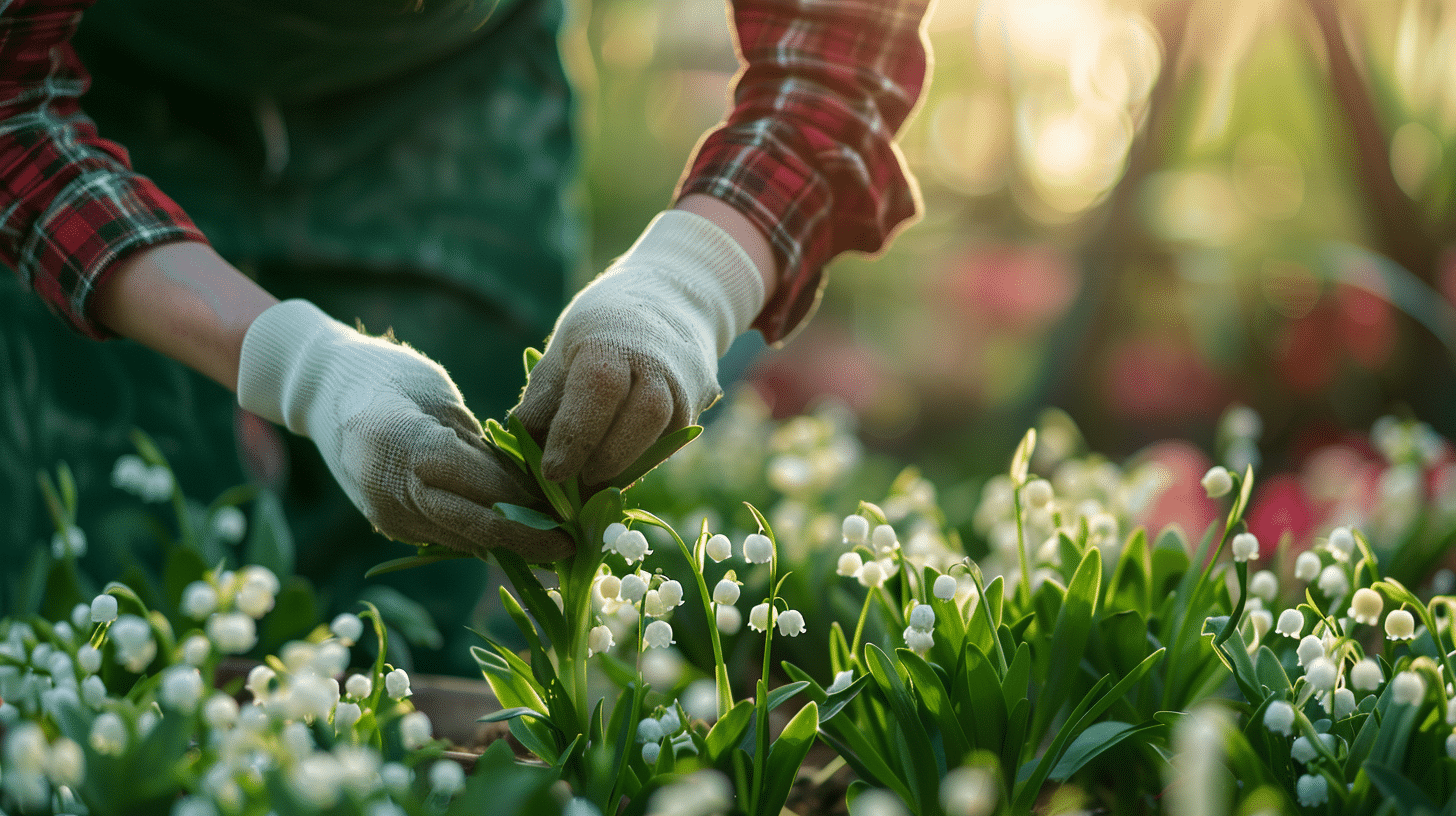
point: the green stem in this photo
(864, 612)
(1025, 564)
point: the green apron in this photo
(407, 163)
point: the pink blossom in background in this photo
(1162, 377)
(1017, 289)
(1182, 501)
(1278, 507)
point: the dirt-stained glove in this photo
(393, 429)
(635, 354)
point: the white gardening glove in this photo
(393, 429)
(635, 354)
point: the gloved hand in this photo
(393, 429)
(635, 354)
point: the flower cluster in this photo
(70, 687)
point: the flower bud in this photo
(922, 617)
(1366, 675)
(1038, 493)
(757, 549)
(103, 608)
(1279, 717)
(1400, 625)
(758, 618)
(397, 684)
(1217, 482)
(414, 730)
(1408, 688)
(232, 632)
(657, 635)
(726, 592)
(1245, 547)
(729, 619)
(791, 623)
(871, 575)
(1312, 789)
(856, 529)
(719, 548)
(945, 587)
(841, 681)
(1310, 647)
(1264, 585)
(1342, 543)
(181, 688)
(884, 540)
(599, 640)
(633, 588)
(1366, 606)
(1291, 623)
(447, 778)
(1307, 566)
(918, 640)
(1333, 581)
(670, 592)
(347, 627)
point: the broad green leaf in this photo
(934, 697)
(531, 452)
(1069, 640)
(524, 581)
(656, 455)
(865, 758)
(780, 695)
(541, 667)
(535, 519)
(1098, 738)
(530, 357)
(535, 735)
(1016, 685)
(917, 761)
(729, 730)
(785, 757)
(1405, 794)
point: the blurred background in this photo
(1138, 212)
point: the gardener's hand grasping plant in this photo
(393, 429)
(635, 355)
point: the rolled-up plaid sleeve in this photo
(70, 205)
(807, 152)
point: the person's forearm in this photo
(742, 230)
(183, 300)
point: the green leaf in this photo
(1069, 640)
(535, 519)
(1016, 685)
(435, 555)
(404, 614)
(729, 731)
(512, 713)
(1405, 794)
(524, 581)
(656, 455)
(270, 539)
(530, 357)
(785, 757)
(1098, 738)
(917, 761)
(531, 452)
(936, 700)
(780, 695)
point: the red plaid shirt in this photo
(807, 152)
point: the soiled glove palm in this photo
(636, 353)
(393, 429)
